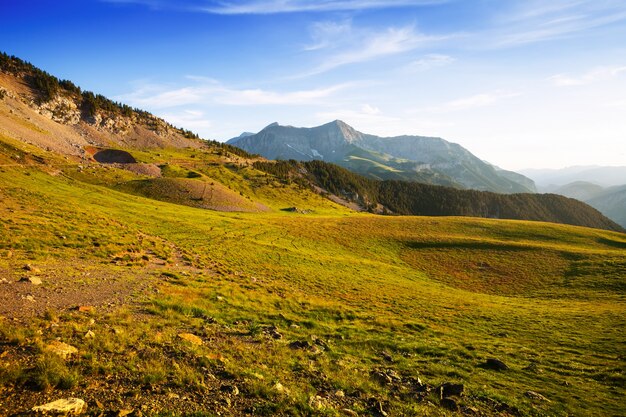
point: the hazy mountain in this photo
(606, 176)
(610, 201)
(414, 158)
(580, 190)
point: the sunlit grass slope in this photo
(420, 297)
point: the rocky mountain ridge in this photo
(413, 158)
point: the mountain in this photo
(602, 187)
(411, 158)
(58, 123)
(610, 201)
(606, 176)
(413, 198)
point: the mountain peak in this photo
(271, 125)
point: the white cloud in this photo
(595, 75)
(430, 61)
(365, 45)
(189, 119)
(326, 34)
(469, 102)
(537, 20)
(291, 6)
(208, 91)
(262, 97)
(367, 117)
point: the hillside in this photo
(411, 198)
(176, 310)
(610, 201)
(60, 123)
(149, 273)
(409, 158)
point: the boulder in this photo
(450, 404)
(30, 268)
(61, 349)
(69, 406)
(450, 390)
(191, 338)
(535, 396)
(495, 364)
(31, 280)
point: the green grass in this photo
(438, 295)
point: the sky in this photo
(520, 83)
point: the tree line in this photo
(413, 198)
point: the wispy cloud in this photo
(208, 91)
(292, 6)
(327, 34)
(190, 119)
(358, 45)
(429, 61)
(595, 75)
(537, 20)
(470, 102)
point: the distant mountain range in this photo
(610, 201)
(605, 176)
(602, 187)
(410, 158)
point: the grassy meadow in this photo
(372, 302)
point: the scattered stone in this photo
(230, 389)
(273, 332)
(4, 281)
(535, 396)
(62, 349)
(339, 393)
(300, 344)
(386, 356)
(495, 364)
(448, 389)
(90, 334)
(386, 376)
(31, 280)
(191, 338)
(124, 412)
(294, 326)
(258, 376)
(533, 368)
(349, 412)
(316, 402)
(450, 404)
(280, 388)
(85, 309)
(71, 406)
(30, 268)
(30, 298)
(377, 407)
(470, 411)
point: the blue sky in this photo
(520, 83)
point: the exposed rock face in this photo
(60, 109)
(414, 158)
